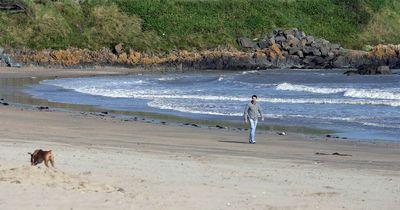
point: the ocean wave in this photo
(250, 72)
(304, 88)
(166, 94)
(162, 105)
(348, 92)
(380, 125)
(375, 94)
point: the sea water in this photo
(365, 107)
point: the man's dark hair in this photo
(253, 96)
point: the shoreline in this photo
(24, 100)
(108, 163)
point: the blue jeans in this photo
(253, 125)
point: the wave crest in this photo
(348, 92)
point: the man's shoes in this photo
(252, 142)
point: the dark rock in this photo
(292, 41)
(191, 124)
(370, 70)
(328, 136)
(324, 50)
(294, 50)
(303, 42)
(42, 107)
(280, 39)
(340, 154)
(292, 61)
(315, 51)
(278, 31)
(342, 62)
(319, 60)
(351, 72)
(5, 104)
(271, 41)
(246, 42)
(104, 112)
(331, 55)
(281, 133)
(307, 50)
(309, 39)
(300, 34)
(314, 62)
(263, 44)
(262, 61)
(220, 127)
(11, 62)
(291, 32)
(120, 190)
(335, 46)
(119, 49)
(300, 54)
(383, 70)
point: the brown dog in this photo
(38, 156)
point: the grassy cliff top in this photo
(164, 25)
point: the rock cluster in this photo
(281, 48)
(295, 49)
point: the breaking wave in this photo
(394, 94)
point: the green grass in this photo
(164, 25)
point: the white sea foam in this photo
(250, 72)
(159, 104)
(373, 93)
(393, 94)
(380, 125)
(304, 88)
(170, 94)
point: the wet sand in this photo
(106, 163)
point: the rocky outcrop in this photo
(8, 60)
(370, 70)
(294, 49)
(281, 48)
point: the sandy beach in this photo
(106, 163)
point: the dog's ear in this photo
(29, 153)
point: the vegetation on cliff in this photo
(165, 25)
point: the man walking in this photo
(251, 114)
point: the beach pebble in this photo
(281, 133)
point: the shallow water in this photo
(366, 107)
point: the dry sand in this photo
(104, 163)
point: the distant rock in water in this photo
(370, 70)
